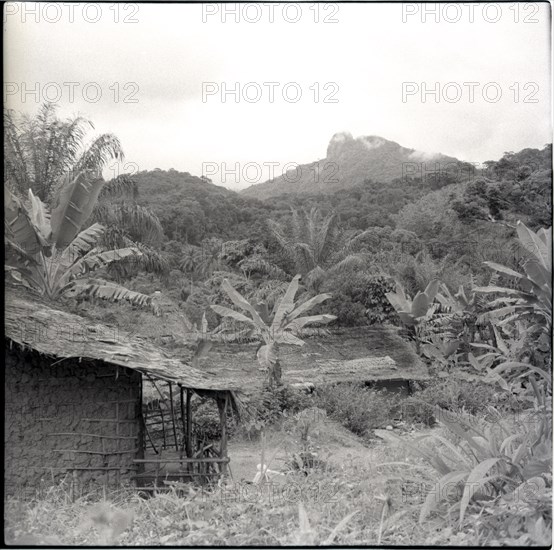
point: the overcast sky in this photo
(151, 74)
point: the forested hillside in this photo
(191, 208)
(518, 184)
(408, 229)
(183, 235)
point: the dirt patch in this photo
(333, 443)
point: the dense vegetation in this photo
(191, 234)
(464, 267)
(408, 229)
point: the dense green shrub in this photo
(273, 404)
(358, 408)
(281, 400)
(348, 313)
(205, 418)
(360, 299)
(476, 398)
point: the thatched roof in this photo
(339, 355)
(360, 354)
(60, 334)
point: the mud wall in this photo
(71, 420)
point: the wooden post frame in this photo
(222, 406)
(188, 434)
(183, 421)
(170, 385)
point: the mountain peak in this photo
(344, 141)
(349, 162)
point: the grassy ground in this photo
(358, 497)
(335, 444)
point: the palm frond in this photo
(316, 241)
(322, 242)
(122, 186)
(298, 226)
(312, 221)
(268, 292)
(304, 257)
(15, 160)
(353, 261)
(277, 232)
(149, 260)
(355, 241)
(138, 222)
(315, 278)
(260, 265)
(97, 156)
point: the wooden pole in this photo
(262, 464)
(118, 444)
(72, 487)
(164, 446)
(148, 434)
(183, 421)
(139, 416)
(222, 405)
(106, 472)
(189, 424)
(173, 415)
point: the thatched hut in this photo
(73, 391)
(73, 404)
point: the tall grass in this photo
(341, 505)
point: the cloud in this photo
(423, 156)
(362, 61)
(371, 142)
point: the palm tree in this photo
(129, 224)
(50, 254)
(39, 151)
(282, 326)
(316, 245)
(42, 153)
(203, 260)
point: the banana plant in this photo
(457, 303)
(281, 326)
(503, 364)
(442, 352)
(50, 254)
(414, 313)
(462, 310)
(476, 460)
(532, 297)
